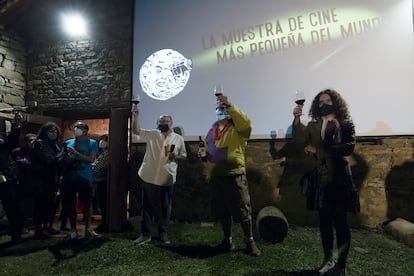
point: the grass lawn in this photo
(190, 253)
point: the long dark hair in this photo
(44, 129)
(339, 104)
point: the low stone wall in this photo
(383, 171)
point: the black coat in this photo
(45, 165)
(328, 170)
(8, 166)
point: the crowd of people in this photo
(46, 175)
(78, 169)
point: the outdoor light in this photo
(74, 24)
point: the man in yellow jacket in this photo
(226, 144)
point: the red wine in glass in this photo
(299, 97)
(218, 90)
(136, 99)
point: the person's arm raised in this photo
(134, 119)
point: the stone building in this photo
(64, 80)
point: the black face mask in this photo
(163, 127)
(326, 109)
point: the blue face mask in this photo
(220, 114)
(52, 136)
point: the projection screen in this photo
(261, 52)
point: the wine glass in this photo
(136, 99)
(218, 90)
(299, 97)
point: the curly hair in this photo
(44, 129)
(339, 104)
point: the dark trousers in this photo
(330, 218)
(43, 208)
(11, 200)
(102, 195)
(72, 189)
(156, 198)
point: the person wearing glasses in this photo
(158, 172)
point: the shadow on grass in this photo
(68, 249)
(56, 245)
(26, 246)
(204, 252)
(283, 272)
(195, 251)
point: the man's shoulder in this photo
(149, 132)
(177, 136)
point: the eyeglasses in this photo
(81, 126)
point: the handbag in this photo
(308, 189)
(352, 197)
(306, 183)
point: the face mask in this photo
(78, 132)
(52, 136)
(220, 114)
(326, 109)
(163, 127)
(102, 144)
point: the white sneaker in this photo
(142, 239)
(72, 235)
(164, 238)
(326, 267)
(90, 234)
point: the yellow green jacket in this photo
(226, 150)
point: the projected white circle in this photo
(165, 74)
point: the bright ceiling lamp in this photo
(74, 25)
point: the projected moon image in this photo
(164, 74)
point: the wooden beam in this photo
(118, 169)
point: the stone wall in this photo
(80, 79)
(12, 70)
(74, 78)
(68, 78)
(383, 171)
